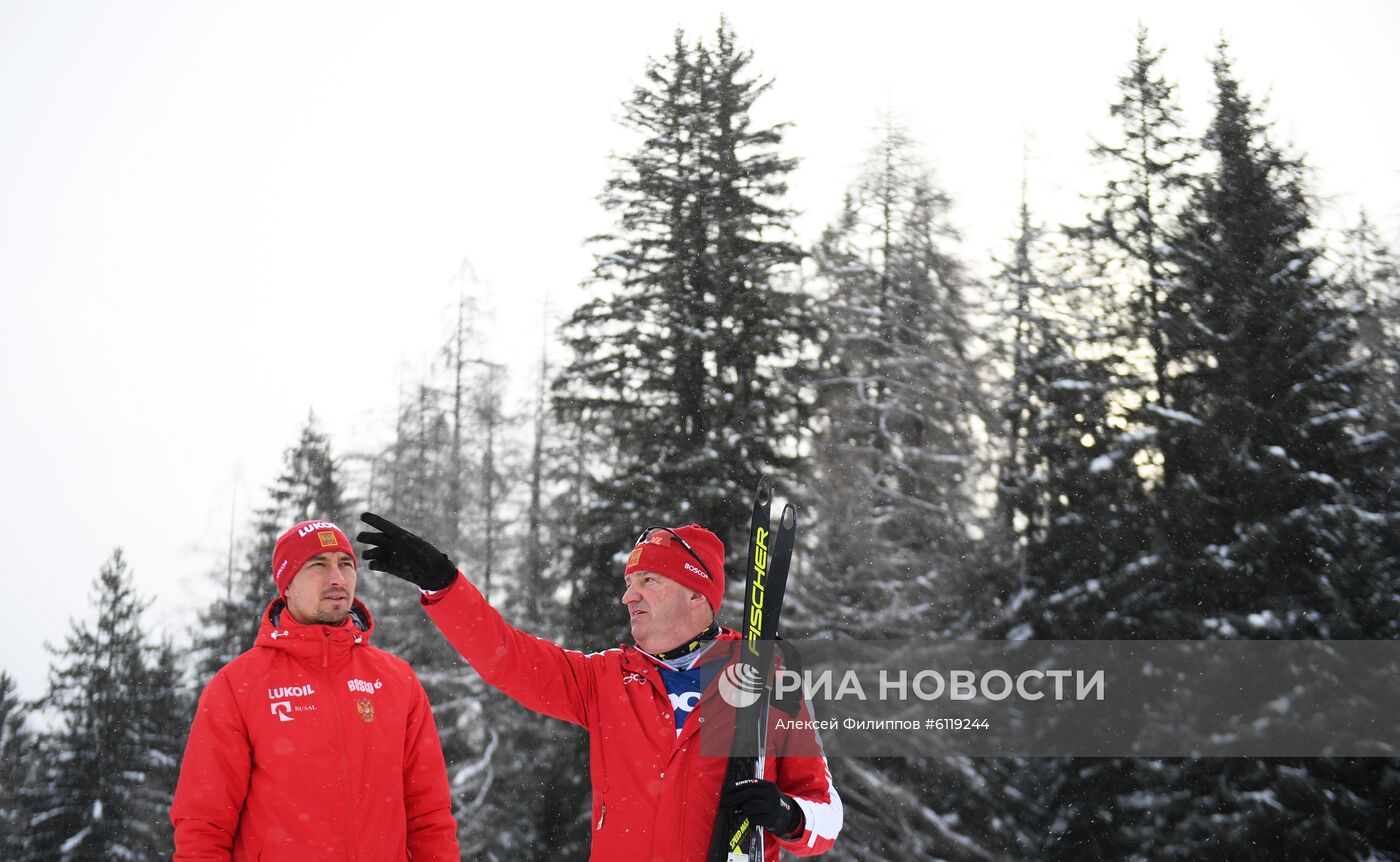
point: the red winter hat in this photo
(691, 556)
(300, 544)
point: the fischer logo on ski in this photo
(754, 600)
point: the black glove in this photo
(404, 555)
(764, 804)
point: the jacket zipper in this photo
(601, 816)
(344, 762)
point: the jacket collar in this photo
(329, 644)
(634, 659)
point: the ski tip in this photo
(763, 495)
(789, 521)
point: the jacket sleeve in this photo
(541, 676)
(432, 831)
(807, 779)
(213, 777)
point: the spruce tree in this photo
(1089, 381)
(1261, 448)
(1370, 279)
(108, 769)
(679, 358)
(897, 404)
(1126, 268)
(1125, 235)
(169, 712)
(1070, 517)
(888, 488)
(1260, 523)
(1069, 493)
(1265, 531)
(17, 769)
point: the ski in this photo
(735, 839)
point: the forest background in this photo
(1153, 397)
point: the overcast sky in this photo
(217, 216)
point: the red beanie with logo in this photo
(300, 544)
(659, 552)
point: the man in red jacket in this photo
(314, 745)
(654, 795)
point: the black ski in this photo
(735, 839)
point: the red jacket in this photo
(314, 745)
(654, 795)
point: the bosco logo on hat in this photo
(692, 556)
(300, 544)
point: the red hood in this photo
(330, 644)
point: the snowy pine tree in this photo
(1261, 446)
(1088, 373)
(1125, 266)
(1300, 549)
(1370, 279)
(1070, 516)
(1264, 530)
(107, 771)
(1069, 492)
(898, 401)
(1088, 379)
(678, 360)
(1125, 235)
(1072, 503)
(167, 710)
(891, 482)
(17, 770)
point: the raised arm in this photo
(542, 676)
